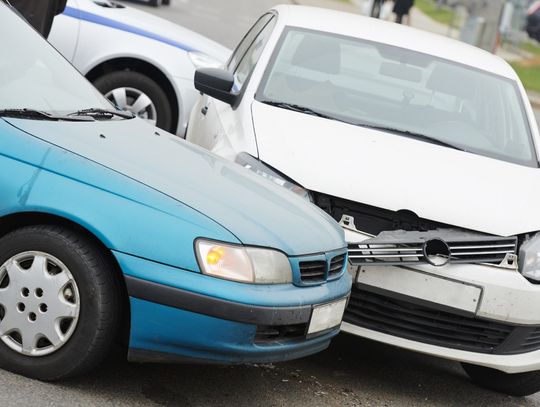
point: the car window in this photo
(33, 75)
(251, 56)
(243, 46)
(374, 84)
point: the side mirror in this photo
(217, 83)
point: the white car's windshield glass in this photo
(407, 93)
(34, 76)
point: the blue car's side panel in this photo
(145, 222)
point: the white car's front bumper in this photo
(524, 362)
(499, 303)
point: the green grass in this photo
(530, 76)
(530, 47)
(429, 7)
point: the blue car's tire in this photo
(59, 303)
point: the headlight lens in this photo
(529, 258)
(251, 163)
(202, 60)
(243, 264)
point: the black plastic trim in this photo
(149, 356)
(215, 307)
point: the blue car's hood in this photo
(256, 211)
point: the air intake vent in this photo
(312, 271)
(336, 265)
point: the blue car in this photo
(111, 228)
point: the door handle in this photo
(204, 110)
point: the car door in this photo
(219, 127)
(64, 33)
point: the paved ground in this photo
(352, 372)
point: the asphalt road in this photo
(352, 372)
(224, 21)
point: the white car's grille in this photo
(400, 247)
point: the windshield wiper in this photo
(298, 108)
(38, 115)
(411, 134)
(406, 133)
(102, 113)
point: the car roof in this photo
(398, 35)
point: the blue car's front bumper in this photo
(178, 315)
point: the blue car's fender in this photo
(126, 216)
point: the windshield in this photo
(381, 86)
(34, 76)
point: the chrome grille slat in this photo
(482, 247)
(384, 256)
(396, 247)
(389, 250)
(479, 253)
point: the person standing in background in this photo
(39, 13)
(376, 8)
(403, 8)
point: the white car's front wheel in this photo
(518, 384)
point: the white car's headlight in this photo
(243, 264)
(529, 258)
(251, 163)
(202, 60)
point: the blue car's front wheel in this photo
(59, 306)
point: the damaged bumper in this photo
(179, 316)
(468, 303)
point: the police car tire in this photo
(141, 82)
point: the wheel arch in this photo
(143, 67)
(14, 221)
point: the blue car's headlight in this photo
(258, 167)
(243, 264)
(529, 258)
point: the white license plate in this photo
(327, 316)
(416, 284)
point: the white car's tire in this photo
(59, 303)
(518, 384)
(137, 93)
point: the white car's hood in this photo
(395, 172)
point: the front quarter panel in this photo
(125, 215)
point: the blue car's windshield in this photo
(407, 93)
(34, 76)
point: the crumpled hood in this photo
(157, 26)
(255, 210)
(394, 172)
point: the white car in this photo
(142, 63)
(425, 150)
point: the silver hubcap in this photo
(39, 303)
(135, 101)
